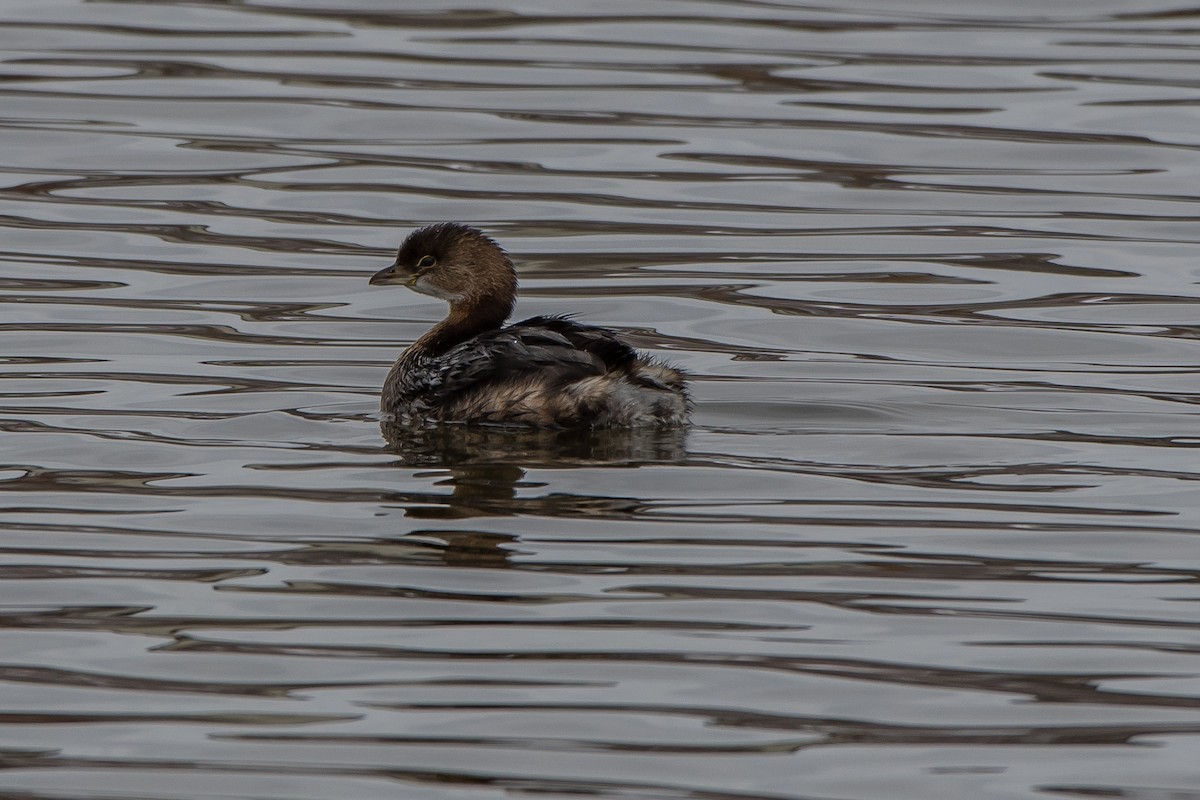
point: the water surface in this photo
(933, 272)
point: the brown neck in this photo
(467, 318)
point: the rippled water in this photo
(931, 266)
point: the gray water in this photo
(932, 268)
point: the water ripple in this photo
(931, 271)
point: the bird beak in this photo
(389, 275)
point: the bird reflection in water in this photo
(487, 466)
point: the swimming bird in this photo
(543, 372)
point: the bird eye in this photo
(426, 262)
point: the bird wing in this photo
(556, 349)
(599, 342)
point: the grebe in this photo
(544, 372)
